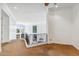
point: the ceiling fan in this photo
(46, 4)
(54, 4)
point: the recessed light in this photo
(56, 6)
(15, 7)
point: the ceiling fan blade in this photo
(46, 4)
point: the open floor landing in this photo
(18, 48)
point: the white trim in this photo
(77, 47)
(29, 46)
(5, 41)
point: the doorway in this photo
(4, 27)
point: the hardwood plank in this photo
(18, 48)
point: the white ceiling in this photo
(23, 11)
(62, 5)
(28, 7)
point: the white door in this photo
(4, 27)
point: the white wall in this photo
(64, 26)
(12, 30)
(41, 27)
(75, 26)
(6, 9)
(32, 15)
(0, 26)
(59, 25)
(29, 12)
(4, 27)
(36, 18)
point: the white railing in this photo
(37, 38)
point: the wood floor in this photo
(18, 48)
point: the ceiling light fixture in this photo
(55, 4)
(15, 7)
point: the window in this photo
(34, 29)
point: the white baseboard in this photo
(8, 41)
(5, 41)
(33, 45)
(60, 43)
(0, 48)
(77, 47)
(37, 44)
